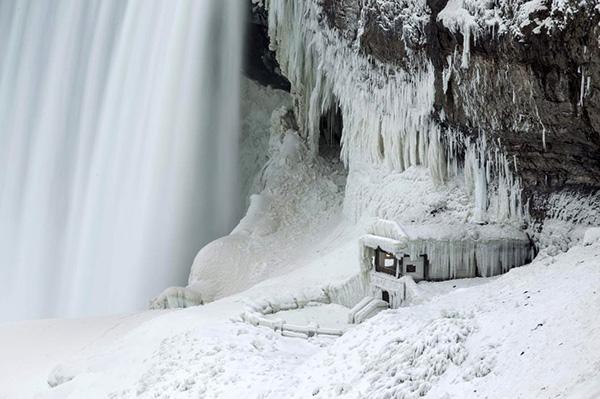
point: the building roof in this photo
(392, 230)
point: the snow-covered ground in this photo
(324, 315)
(30, 350)
(531, 333)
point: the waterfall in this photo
(118, 148)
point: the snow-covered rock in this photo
(536, 327)
(592, 236)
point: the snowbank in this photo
(592, 236)
(532, 333)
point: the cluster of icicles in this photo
(467, 258)
(386, 111)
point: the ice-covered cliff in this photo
(503, 93)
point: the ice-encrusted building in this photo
(390, 252)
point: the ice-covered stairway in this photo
(366, 308)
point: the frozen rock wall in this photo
(525, 72)
(501, 92)
(387, 109)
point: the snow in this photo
(592, 236)
(30, 350)
(535, 326)
(456, 18)
(324, 315)
(473, 17)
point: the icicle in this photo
(466, 46)
(386, 111)
(582, 87)
(449, 259)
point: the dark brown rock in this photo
(260, 63)
(520, 89)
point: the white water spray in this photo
(118, 148)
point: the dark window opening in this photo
(411, 269)
(386, 262)
(330, 133)
(385, 296)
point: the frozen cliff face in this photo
(387, 108)
(258, 103)
(525, 72)
(260, 63)
(530, 83)
(506, 87)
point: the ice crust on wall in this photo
(257, 105)
(387, 111)
(450, 259)
(453, 251)
(349, 292)
(474, 17)
(568, 217)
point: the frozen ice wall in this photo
(118, 148)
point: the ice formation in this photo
(258, 104)
(387, 111)
(296, 198)
(452, 251)
(349, 292)
(473, 17)
(569, 215)
(592, 236)
(455, 259)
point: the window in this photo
(385, 262)
(411, 269)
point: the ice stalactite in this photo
(456, 17)
(451, 251)
(450, 259)
(387, 111)
(489, 177)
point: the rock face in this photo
(529, 78)
(260, 63)
(526, 74)
(531, 97)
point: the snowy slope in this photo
(30, 350)
(532, 333)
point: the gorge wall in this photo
(523, 73)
